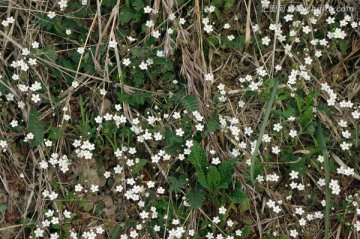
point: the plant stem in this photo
(262, 129)
(327, 179)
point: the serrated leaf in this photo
(213, 125)
(138, 166)
(226, 169)
(240, 197)
(176, 184)
(306, 117)
(299, 102)
(55, 133)
(126, 14)
(190, 103)
(47, 53)
(202, 179)
(138, 5)
(115, 233)
(310, 98)
(213, 177)
(217, 3)
(288, 112)
(198, 158)
(229, 4)
(196, 198)
(36, 127)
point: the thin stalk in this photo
(327, 179)
(262, 129)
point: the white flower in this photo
(160, 190)
(172, 16)
(308, 60)
(275, 150)
(14, 123)
(294, 174)
(112, 44)
(179, 132)
(51, 15)
(35, 98)
(356, 114)
(294, 233)
(293, 133)
(107, 174)
(208, 28)
(306, 29)
(215, 161)
(94, 188)
(182, 21)
(209, 77)
(265, 41)
(277, 127)
(231, 37)
(149, 23)
(147, 9)
(156, 34)
(39, 232)
(99, 230)
(81, 50)
(222, 210)
(241, 103)
(126, 61)
(143, 66)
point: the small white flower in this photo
(265, 41)
(143, 66)
(112, 44)
(222, 210)
(147, 9)
(51, 15)
(81, 50)
(209, 77)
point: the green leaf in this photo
(3, 208)
(138, 5)
(229, 4)
(217, 3)
(213, 177)
(115, 233)
(240, 197)
(56, 133)
(190, 103)
(202, 179)
(307, 116)
(288, 112)
(226, 169)
(126, 14)
(213, 125)
(198, 158)
(47, 53)
(176, 184)
(310, 97)
(299, 166)
(196, 198)
(36, 127)
(139, 166)
(299, 102)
